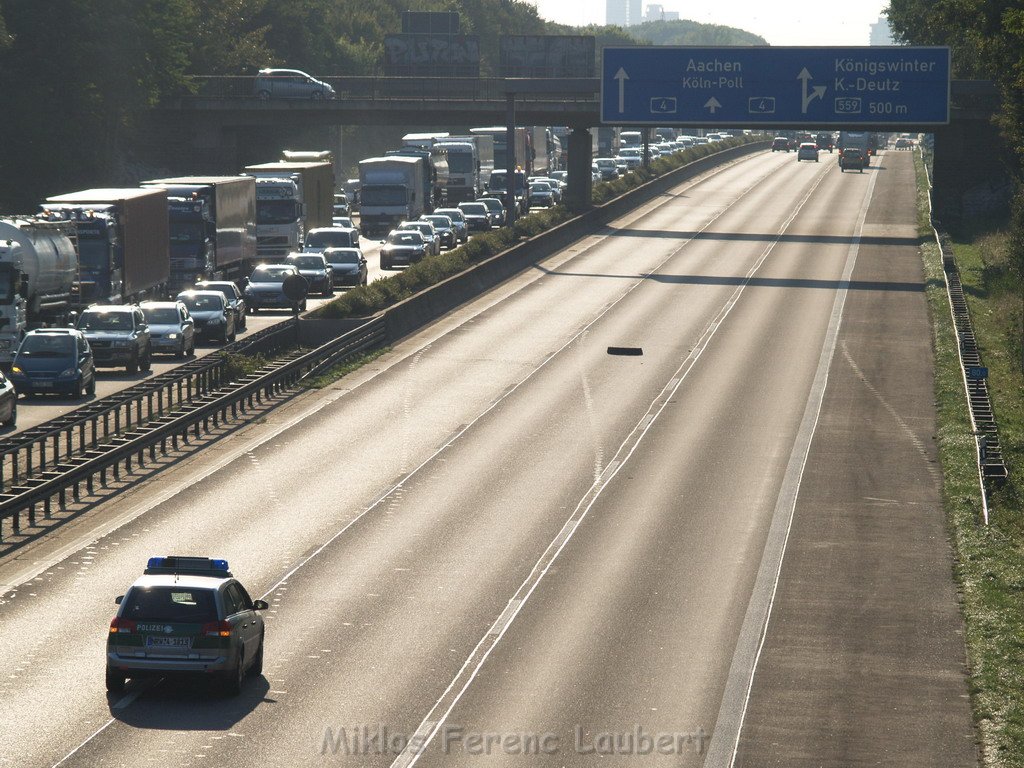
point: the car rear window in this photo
(170, 604)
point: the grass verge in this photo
(988, 561)
(343, 369)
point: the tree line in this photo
(986, 38)
(76, 73)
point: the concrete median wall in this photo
(428, 305)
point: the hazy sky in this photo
(780, 22)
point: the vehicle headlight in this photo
(17, 369)
(68, 372)
(173, 336)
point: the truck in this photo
(38, 277)
(523, 147)
(466, 166)
(862, 140)
(435, 171)
(392, 190)
(291, 199)
(546, 148)
(123, 242)
(497, 187)
(212, 227)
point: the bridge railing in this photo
(413, 88)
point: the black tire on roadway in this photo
(234, 678)
(115, 681)
(146, 363)
(133, 364)
(91, 391)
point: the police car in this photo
(186, 615)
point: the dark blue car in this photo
(54, 360)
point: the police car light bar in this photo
(200, 566)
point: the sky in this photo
(780, 22)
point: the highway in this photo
(36, 410)
(554, 521)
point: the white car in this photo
(807, 150)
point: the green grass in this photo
(343, 369)
(989, 561)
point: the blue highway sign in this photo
(869, 86)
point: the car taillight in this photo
(120, 626)
(217, 629)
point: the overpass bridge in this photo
(210, 125)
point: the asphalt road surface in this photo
(548, 529)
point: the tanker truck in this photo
(38, 278)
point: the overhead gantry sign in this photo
(775, 87)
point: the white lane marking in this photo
(232, 456)
(438, 714)
(729, 723)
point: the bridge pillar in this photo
(577, 196)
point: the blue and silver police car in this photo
(186, 616)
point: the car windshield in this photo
(342, 257)
(405, 237)
(187, 605)
(227, 290)
(270, 274)
(325, 239)
(307, 262)
(440, 222)
(477, 209)
(202, 302)
(47, 345)
(105, 321)
(161, 315)
(492, 205)
(453, 214)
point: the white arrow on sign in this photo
(622, 77)
(817, 92)
(712, 104)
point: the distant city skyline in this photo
(780, 22)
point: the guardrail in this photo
(988, 452)
(416, 88)
(37, 449)
(21, 504)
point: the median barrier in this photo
(413, 313)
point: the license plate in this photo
(168, 642)
(42, 383)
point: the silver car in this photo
(186, 616)
(171, 328)
(290, 84)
